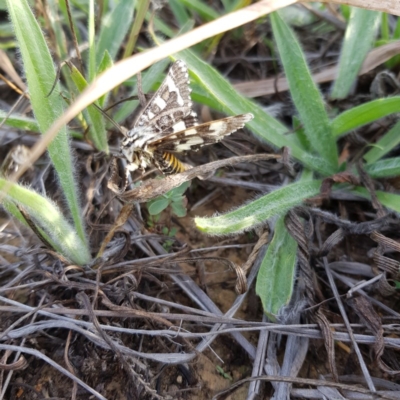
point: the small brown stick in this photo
(122, 218)
(241, 282)
(156, 187)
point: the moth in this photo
(168, 125)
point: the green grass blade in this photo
(360, 34)
(141, 10)
(384, 145)
(275, 278)
(49, 218)
(179, 11)
(389, 200)
(305, 94)
(92, 67)
(206, 12)
(105, 63)
(385, 168)
(260, 210)
(93, 117)
(114, 28)
(218, 93)
(40, 75)
(364, 114)
(55, 22)
(19, 122)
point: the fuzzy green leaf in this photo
(304, 92)
(40, 75)
(275, 278)
(359, 37)
(364, 114)
(384, 145)
(49, 218)
(260, 210)
(385, 168)
(20, 122)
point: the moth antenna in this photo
(116, 124)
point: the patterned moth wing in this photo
(192, 139)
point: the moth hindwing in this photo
(168, 124)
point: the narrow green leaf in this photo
(20, 122)
(92, 115)
(114, 28)
(304, 92)
(105, 63)
(219, 94)
(389, 200)
(385, 168)
(260, 210)
(275, 278)
(384, 145)
(179, 11)
(47, 216)
(40, 75)
(360, 34)
(206, 12)
(55, 22)
(91, 73)
(385, 28)
(365, 114)
(141, 9)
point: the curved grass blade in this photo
(275, 278)
(93, 117)
(305, 94)
(259, 211)
(386, 168)
(364, 114)
(49, 218)
(40, 75)
(218, 93)
(360, 34)
(19, 121)
(389, 200)
(384, 145)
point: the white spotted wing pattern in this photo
(168, 125)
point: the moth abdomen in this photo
(168, 164)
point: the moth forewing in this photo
(200, 135)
